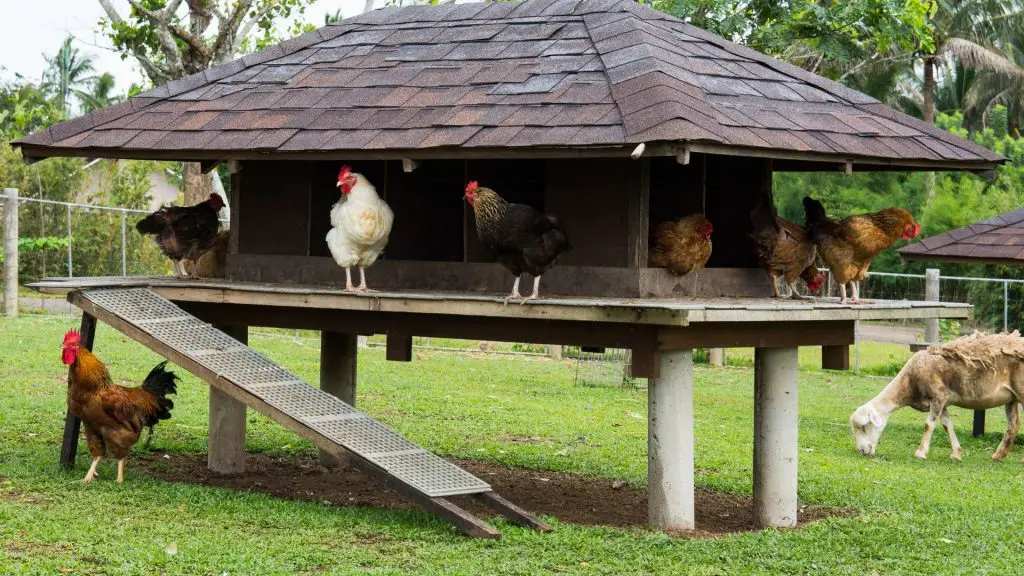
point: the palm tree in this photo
(992, 88)
(99, 95)
(969, 31)
(68, 71)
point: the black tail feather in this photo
(814, 212)
(160, 383)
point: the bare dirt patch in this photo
(569, 497)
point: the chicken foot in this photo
(855, 287)
(536, 291)
(349, 287)
(793, 294)
(775, 286)
(515, 295)
(91, 474)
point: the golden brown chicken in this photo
(213, 262)
(113, 416)
(681, 246)
(783, 250)
(849, 245)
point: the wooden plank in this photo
(226, 435)
(705, 283)
(469, 524)
(538, 331)
(638, 215)
(835, 357)
(276, 208)
(399, 348)
(72, 425)
(236, 213)
(756, 334)
(514, 513)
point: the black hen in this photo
(184, 232)
(523, 238)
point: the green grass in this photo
(933, 517)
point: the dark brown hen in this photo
(184, 232)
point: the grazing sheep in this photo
(979, 371)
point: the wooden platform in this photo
(652, 311)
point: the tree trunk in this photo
(928, 115)
(928, 110)
(197, 185)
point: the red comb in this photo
(72, 336)
(472, 186)
(344, 172)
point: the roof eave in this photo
(940, 259)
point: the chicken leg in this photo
(536, 291)
(794, 294)
(349, 287)
(120, 471)
(775, 286)
(515, 292)
(91, 474)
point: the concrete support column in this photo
(670, 443)
(338, 361)
(716, 356)
(776, 425)
(226, 444)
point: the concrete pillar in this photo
(931, 294)
(226, 441)
(10, 266)
(338, 361)
(716, 356)
(670, 443)
(555, 352)
(776, 426)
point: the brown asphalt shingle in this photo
(997, 240)
(537, 74)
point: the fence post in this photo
(931, 294)
(71, 271)
(124, 245)
(1006, 306)
(10, 251)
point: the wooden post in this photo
(10, 276)
(835, 357)
(978, 427)
(338, 362)
(670, 497)
(776, 425)
(226, 441)
(931, 294)
(72, 425)
(398, 348)
(716, 356)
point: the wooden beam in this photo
(645, 363)
(639, 218)
(399, 348)
(466, 522)
(72, 425)
(757, 334)
(835, 357)
(514, 513)
(208, 165)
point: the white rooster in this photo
(361, 224)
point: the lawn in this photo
(933, 517)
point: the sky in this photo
(34, 27)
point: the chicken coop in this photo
(546, 102)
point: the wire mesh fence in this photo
(84, 240)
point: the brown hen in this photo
(849, 245)
(784, 250)
(681, 246)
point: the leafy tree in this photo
(171, 39)
(68, 72)
(825, 37)
(25, 108)
(992, 89)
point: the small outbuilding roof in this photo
(998, 240)
(540, 76)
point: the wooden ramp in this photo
(333, 425)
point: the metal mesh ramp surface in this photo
(261, 377)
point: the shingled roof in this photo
(540, 75)
(998, 240)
